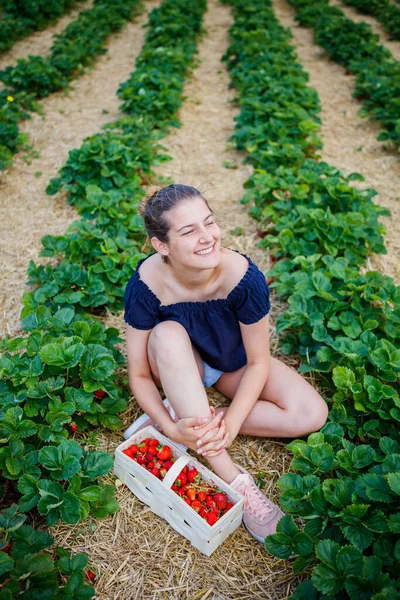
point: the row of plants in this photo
(357, 48)
(36, 77)
(19, 18)
(25, 557)
(60, 377)
(341, 497)
(385, 12)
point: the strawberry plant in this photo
(22, 17)
(343, 325)
(36, 77)
(355, 46)
(28, 569)
(385, 12)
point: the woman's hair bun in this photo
(152, 191)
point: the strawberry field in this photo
(287, 116)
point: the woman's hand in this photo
(187, 431)
(214, 442)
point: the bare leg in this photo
(288, 406)
(178, 367)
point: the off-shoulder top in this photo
(212, 325)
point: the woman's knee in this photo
(167, 336)
(311, 416)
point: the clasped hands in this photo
(208, 436)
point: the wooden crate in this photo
(167, 504)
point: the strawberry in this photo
(146, 441)
(185, 469)
(154, 442)
(191, 493)
(91, 575)
(140, 460)
(209, 502)
(228, 506)
(175, 488)
(134, 449)
(201, 496)
(99, 394)
(181, 492)
(203, 512)
(196, 505)
(8, 546)
(150, 465)
(164, 453)
(127, 452)
(148, 457)
(168, 464)
(220, 500)
(180, 480)
(73, 427)
(155, 472)
(211, 518)
(187, 501)
(153, 450)
(192, 474)
(143, 448)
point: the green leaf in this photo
(278, 544)
(343, 378)
(394, 482)
(302, 544)
(6, 563)
(66, 352)
(70, 508)
(349, 561)
(326, 579)
(327, 551)
(96, 464)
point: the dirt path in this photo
(350, 141)
(26, 212)
(354, 15)
(39, 42)
(157, 562)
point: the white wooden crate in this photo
(167, 504)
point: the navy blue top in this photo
(212, 325)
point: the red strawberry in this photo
(196, 505)
(134, 449)
(168, 464)
(148, 457)
(211, 518)
(220, 500)
(73, 427)
(202, 512)
(191, 493)
(153, 450)
(155, 472)
(181, 492)
(192, 474)
(164, 453)
(100, 394)
(153, 442)
(8, 546)
(187, 501)
(201, 496)
(228, 506)
(151, 465)
(180, 480)
(175, 488)
(91, 575)
(127, 452)
(140, 460)
(143, 448)
(209, 502)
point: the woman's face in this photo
(194, 237)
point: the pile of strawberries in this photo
(206, 499)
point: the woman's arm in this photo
(256, 342)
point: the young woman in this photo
(197, 315)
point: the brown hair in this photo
(157, 202)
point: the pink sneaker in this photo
(261, 516)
